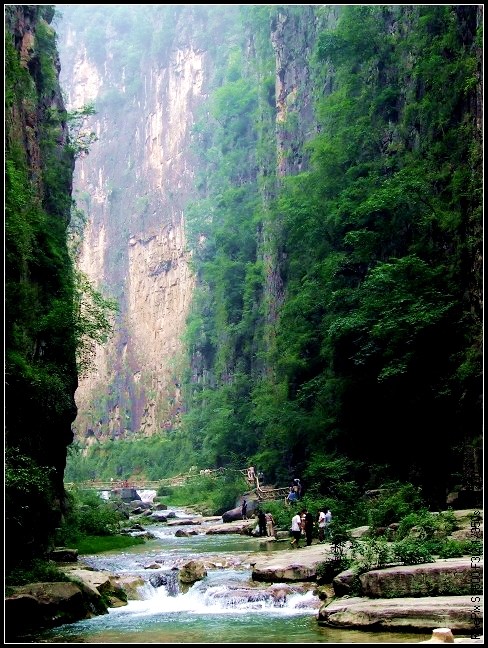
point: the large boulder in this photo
(359, 532)
(63, 554)
(243, 527)
(168, 579)
(132, 586)
(159, 516)
(126, 494)
(450, 577)
(46, 605)
(344, 582)
(192, 571)
(289, 565)
(409, 614)
(99, 581)
(181, 533)
(137, 506)
(232, 515)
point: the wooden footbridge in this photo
(263, 493)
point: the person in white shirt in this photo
(321, 525)
(296, 529)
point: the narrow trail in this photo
(263, 493)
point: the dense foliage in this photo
(91, 524)
(379, 334)
(40, 341)
(208, 494)
(336, 240)
(52, 315)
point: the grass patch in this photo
(34, 571)
(209, 494)
(98, 544)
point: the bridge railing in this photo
(112, 485)
(178, 480)
(272, 493)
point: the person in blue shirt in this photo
(327, 520)
(292, 497)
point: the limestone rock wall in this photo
(133, 187)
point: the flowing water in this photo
(225, 607)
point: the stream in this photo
(225, 607)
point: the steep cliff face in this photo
(134, 187)
(41, 374)
(293, 33)
(294, 38)
(285, 148)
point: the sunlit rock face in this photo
(133, 188)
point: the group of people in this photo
(251, 475)
(303, 523)
(265, 524)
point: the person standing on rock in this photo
(262, 523)
(269, 525)
(296, 529)
(244, 510)
(308, 527)
(328, 520)
(321, 525)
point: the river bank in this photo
(240, 572)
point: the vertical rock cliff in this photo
(40, 369)
(133, 187)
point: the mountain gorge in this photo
(285, 202)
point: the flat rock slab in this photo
(237, 526)
(447, 577)
(96, 580)
(289, 565)
(412, 614)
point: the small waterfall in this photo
(213, 595)
(168, 579)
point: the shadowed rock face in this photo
(38, 431)
(232, 515)
(46, 605)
